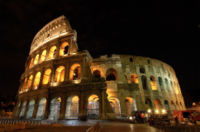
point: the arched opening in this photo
(55, 108)
(36, 59)
(166, 105)
(30, 109)
(30, 79)
(22, 109)
(142, 70)
(160, 81)
(41, 109)
(17, 109)
(37, 80)
(148, 103)
(60, 74)
(153, 83)
(31, 63)
(144, 82)
(167, 84)
(173, 107)
(130, 104)
(64, 48)
(115, 104)
(97, 74)
(52, 52)
(75, 73)
(43, 56)
(46, 76)
(158, 104)
(111, 75)
(72, 108)
(134, 78)
(93, 107)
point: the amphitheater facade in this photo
(61, 82)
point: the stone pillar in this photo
(26, 109)
(48, 105)
(35, 108)
(62, 107)
(83, 104)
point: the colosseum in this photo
(61, 82)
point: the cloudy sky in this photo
(166, 30)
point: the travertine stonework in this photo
(61, 82)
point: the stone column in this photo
(62, 107)
(48, 105)
(35, 108)
(26, 109)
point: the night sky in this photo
(165, 30)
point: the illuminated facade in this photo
(61, 82)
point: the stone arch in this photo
(64, 47)
(153, 83)
(166, 103)
(148, 103)
(134, 78)
(55, 108)
(43, 56)
(93, 106)
(142, 69)
(41, 108)
(37, 80)
(52, 52)
(36, 59)
(144, 82)
(72, 107)
(130, 105)
(46, 76)
(111, 74)
(29, 83)
(60, 74)
(173, 107)
(31, 106)
(97, 74)
(75, 73)
(167, 84)
(115, 104)
(160, 81)
(23, 109)
(158, 105)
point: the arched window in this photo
(93, 106)
(97, 74)
(167, 84)
(43, 55)
(30, 79)
(134, 78)
(144, 82)
(64, 48)
(41, 109)
(115, 104)
(31, 63)
(75, 72)
(72, 108)
(158, 104)
(153, 83)
(148, 103)
(130, 105)
(46, 76)
(111, 75)
(23, 109)
(60, 74)
(30, 109)
(52, 52)
(166, 105)
(37, 80)
(36, 59)
(55, 108)
(160, 81)
(142, 70)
